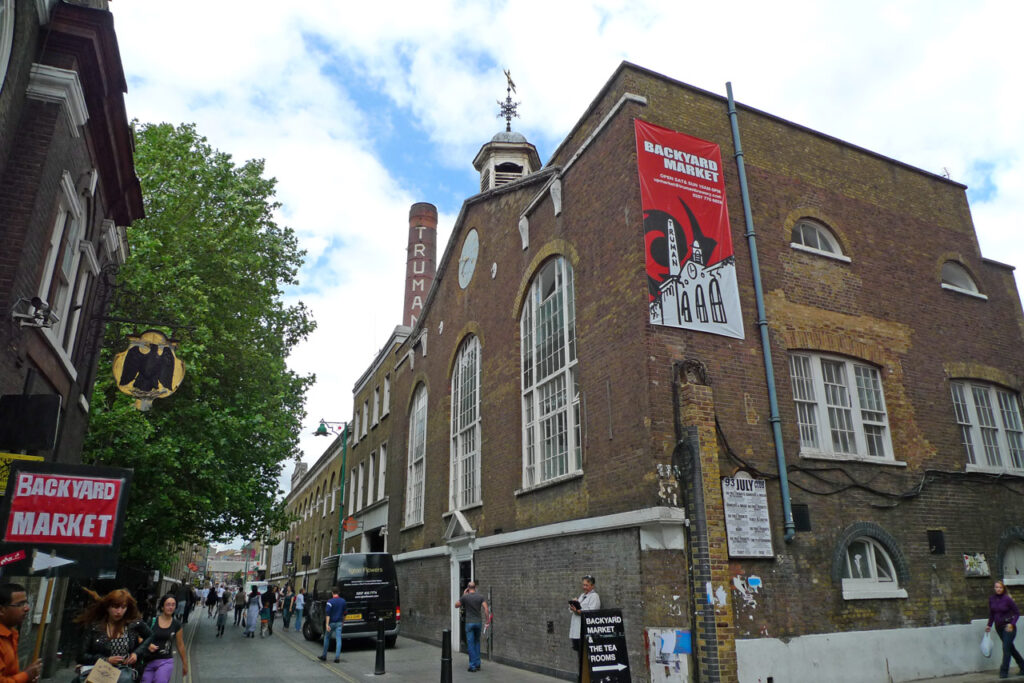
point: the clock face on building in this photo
(467, 261)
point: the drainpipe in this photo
(341, 493)
(762, 326)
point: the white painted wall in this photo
(867, 656)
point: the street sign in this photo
(350, 524)
(603, 638)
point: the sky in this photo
(362, 109)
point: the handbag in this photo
(105, 672)
(986, 645)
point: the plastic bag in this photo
(986, 645)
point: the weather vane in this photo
(508, 107)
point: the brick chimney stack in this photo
(420, 260)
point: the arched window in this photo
(869, 564)
(956, 277)
(717, 306)
(684, 307)
(417, 458)
(700, 304)
(465, 426)
(814, 237)
(552, 443)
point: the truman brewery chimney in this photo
(419, 268)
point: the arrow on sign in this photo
(610, 667)
(41, 561)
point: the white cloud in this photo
(933, 84)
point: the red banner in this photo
(57, 509)
(691, 268)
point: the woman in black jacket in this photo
(113, 631)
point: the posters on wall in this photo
(691, 268)
(747, 524)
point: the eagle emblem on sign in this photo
(149, 369)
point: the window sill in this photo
(550, 482)
(410, 527)
(1019, 581)
(988, 469)
(819, 252)
(961, 290)
(873, 591)
(467, 508)
(843, 457)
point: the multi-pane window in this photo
(366, 416)
(812, 236)
(359, 488)
(465, 427)
(417, 458)
(869, 571)
(990, 425)
(369, 479)
(376, 405)
(552, 439)
(383, 470)
(840, 407)
(386, 398)
(60, 266)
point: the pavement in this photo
(287, 656)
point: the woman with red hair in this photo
(113, 631)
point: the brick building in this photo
(546, 422)
(68, 192)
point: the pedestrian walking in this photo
(156, 651)
(476, 613)
(223, 609)
(1003, 612)
(240, 599)
(211, 601)
(300, 605)
(267, 615)
(252, 613)
(14, 607)
(287, 606)
(114, 632)
(334, 617)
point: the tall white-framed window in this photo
(417, 458)
(991, 431)
(386, 398)
(352, 492)
(333, 491)
(355, 427)
(366, 417)
(840, 408)
(359, 488)
(552, 439)
(376, 405)
(465, 426)
(60, 265)
(383, 460)
(1013, 564)
(370, 490)
(869, 572)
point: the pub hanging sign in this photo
(149, 368)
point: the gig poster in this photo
(691, 268)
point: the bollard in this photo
(378, 666)
(446, 656)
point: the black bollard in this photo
(446, 656)
(378, 666)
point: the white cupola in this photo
(508, 156)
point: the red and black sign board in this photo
(603, 647)
(691, 267)
(75, 512)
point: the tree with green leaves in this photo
(209, 262)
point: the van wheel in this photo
(307, 631)
(390, 641)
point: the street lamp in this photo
(322, 430)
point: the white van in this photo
(261, 586)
